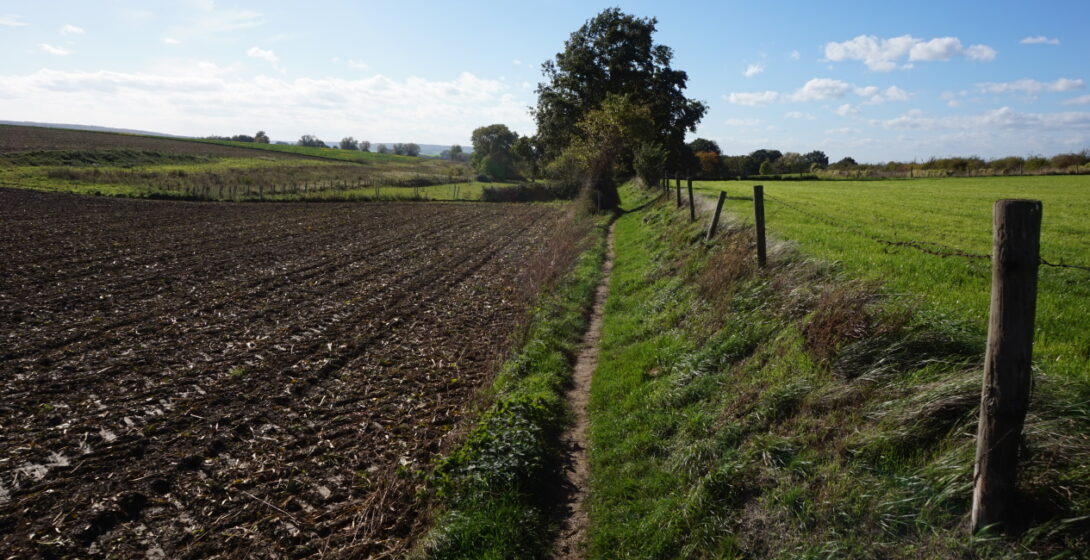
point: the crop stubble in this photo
(218, 380)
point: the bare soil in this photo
(197, 380)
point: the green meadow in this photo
(837, 221)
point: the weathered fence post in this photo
(715, 217)
(677, 184)
(759, 217)
(1004, 398)
(692, 207)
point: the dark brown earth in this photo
(31, 138)
(196, 380)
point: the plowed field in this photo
(184, 380)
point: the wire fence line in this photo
(928, 247)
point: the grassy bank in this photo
(495, 492)
(799, 412)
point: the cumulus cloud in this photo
(884, 55)
(12, 21)
(70, 29)
(753, 70)
(753, 99)
(1080, 100)
(201, 98)
(1004, 119)
(266, 55)
(1031, 86)
(820, 89)
(847, 110)
(1039, 40)
(54, 50)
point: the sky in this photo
(876, 81)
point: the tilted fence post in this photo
(692, 207)
(715, 217)
(759, 217)
(1004, 397)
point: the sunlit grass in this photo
(831, 220)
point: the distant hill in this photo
(425, 149)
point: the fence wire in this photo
(928, 247)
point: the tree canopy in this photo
(613, 53)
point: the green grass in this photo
(799, 412)
(950, 212)
(495, 493)
(354, 156)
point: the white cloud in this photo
(1080, 100)
(753, 99)
(847, 110)
(12, 21)
(799, 115)
(742, 122)
(1039, 40)
(1002, 119)
(516, 62)
(53, 49)
(795, 55)
(843, 131)
(171, 41)
(266, 55)
(210, 19)
(201, 98)
(1031, 86)
(884, 55)
(70, 29)
(357, 64)
(753, 70)
(819, 89)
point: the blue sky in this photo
(873, 80)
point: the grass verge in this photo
(796, 412)
(494, 492)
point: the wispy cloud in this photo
(847, 110)
(742, 122)
(171, 41)
(266, 55)
(53, 49)
(211, 19)
(1080, 100)
(884, 55)
(12, 21)
(1031, 86)
(70, 29)
(799, 115)
(1039, 40)
(754, 99)
(753, 70)
(795, 55)
(1004, 118)
(205, 98)
(357, 64)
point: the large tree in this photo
(614, 53)
(492, 151)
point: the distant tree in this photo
(791, 162)
(704, 145)
(399, 149)
(492, 151)
(766, 167)
(365, 146)
(412, 149)
(527, 158)
(710, 164)
(382, 149)
(455, 153)
(349, 143)
(761, 156)
(242, 138)
(844, 164)
(311, 141)
(818, 157)
(261, 137)
(649, 162)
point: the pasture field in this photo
(191, 380)
(854, 223)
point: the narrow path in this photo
(571, 543)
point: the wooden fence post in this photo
(692, 207)
(715, 217)
(1004, 397)
(759, 217)
(677, 185)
